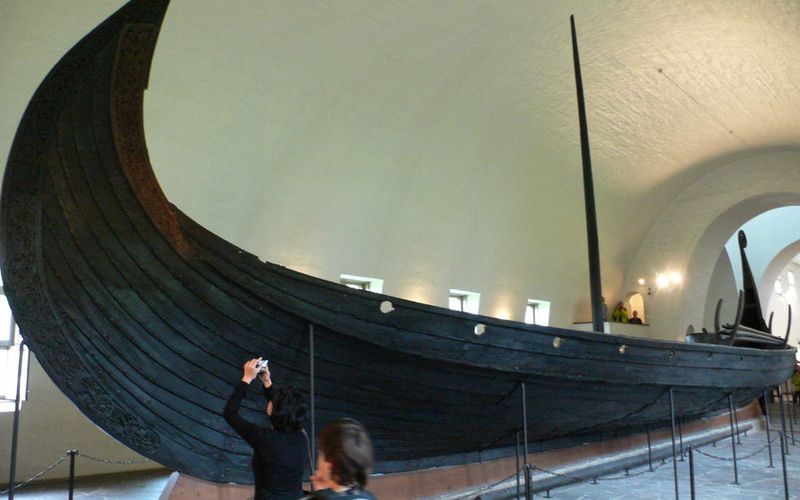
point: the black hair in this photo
(288, 410)
(346, 445)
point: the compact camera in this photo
(262, 365)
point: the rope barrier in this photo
(112, 461)
(727, 459)
(480, 490)
(38, 474)
(598, 478)
(595, 479)
(64, 457)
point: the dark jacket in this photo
(351, 494)
(279, 458)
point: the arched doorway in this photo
(636, 303)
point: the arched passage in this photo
(775, 267)
(635, 302)
(691, 232)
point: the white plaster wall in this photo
(722, 286)
(767, 235)
(778, 304)
(49, 427)
(690, 233)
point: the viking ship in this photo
(143, 318)
(749, 328)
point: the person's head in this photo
(287, 410)
(345, 453)
(620, 305)
(635, 313)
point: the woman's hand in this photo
(266, 377)
(250, 370)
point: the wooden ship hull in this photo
(143, 318)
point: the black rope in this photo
(112, 460)
(728, 459)
(64, 457)
(597, 478)
(38, 474)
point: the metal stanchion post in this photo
(517, 464)
(72, 454)
(15, 432)
(791, 423)
(528, 484)
(691, 471)
(528, 493)
(783, 462)
(733, 441)
(649, 451)
(736, 423)
(769, 438)
(311, 375)
(783, 420)
(680, 438)
(674, 455)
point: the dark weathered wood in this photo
(144, 317)
(595, 281)
(752, 316)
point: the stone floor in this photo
(142, 485)
(714, 475)
(714, 478)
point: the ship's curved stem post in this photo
(674, 453)
(733, 439)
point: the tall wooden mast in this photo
(588, 195)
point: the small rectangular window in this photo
(6, 322)
(537, 312)
(9, 367)
(457, 302)
(790, 277)
(362, 283)
(464, 301)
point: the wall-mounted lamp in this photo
(664, 280)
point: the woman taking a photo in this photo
(279, 451)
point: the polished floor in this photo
(144, 485)
(714, 476)
(713, 468)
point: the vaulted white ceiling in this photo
(266, 110)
